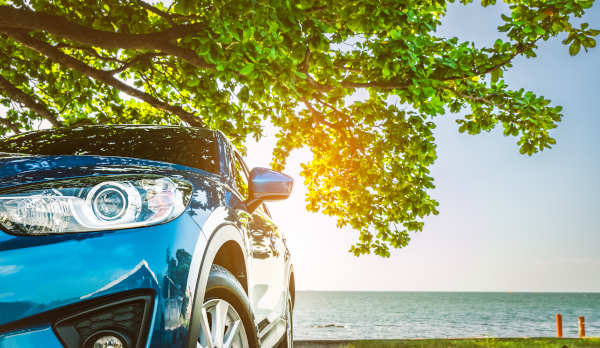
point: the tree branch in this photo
(315, 9)
(403, 84)
(57, 25)
(377, 84)
(170, 17)
(304, 65)
(317, 116)
(520, 49)
(100, 75)
(351, 84)
(13, 127)
(89, 50)
(477, 99)
(29, 101)
(129, 63)
(25, 19)
(156, 11)
(340, 128)
(333, 108)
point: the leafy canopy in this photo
(233, 65)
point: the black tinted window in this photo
(193, 147)
(240, 177)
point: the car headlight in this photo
(93, 204)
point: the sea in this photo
(333, 315)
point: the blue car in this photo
(139, 236)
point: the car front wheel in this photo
(288, 340)
(225, 321)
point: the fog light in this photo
(109, 341)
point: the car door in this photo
(266, 273)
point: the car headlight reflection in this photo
(114, 201)
(93, 204)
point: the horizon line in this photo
(467, 291)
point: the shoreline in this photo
(516, 342)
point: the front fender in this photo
(222, 234)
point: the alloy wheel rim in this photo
(221, 326)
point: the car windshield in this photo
(193, 147)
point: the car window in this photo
(241, 179)
(240, 176)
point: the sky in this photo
(507, 222)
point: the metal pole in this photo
(559, 331)
(581, 327)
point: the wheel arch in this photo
(231, 257)
(225, 238)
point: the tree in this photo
(230, 65)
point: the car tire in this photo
(226, 318)
(288, 338)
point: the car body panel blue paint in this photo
(43, 274)
(31, 337)
(42, 278)
(24, 170)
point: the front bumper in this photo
(42, 278)
(32, 337)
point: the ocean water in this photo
(373, 315)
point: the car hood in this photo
(20, 169)
(13, 155)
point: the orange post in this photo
(581, 327)
(559, 332)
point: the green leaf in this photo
(395, 34)
(505, 27)
(300, 74)
(385, 71)
(449, 63)
(496, 75)
(193, 82)
(540, 31)
(574, 48)
(247, 34)
(428, 91)
(591, 43)
(247, 69)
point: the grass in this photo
(458, 343)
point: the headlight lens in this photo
(93, 204)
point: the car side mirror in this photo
(267, 185)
